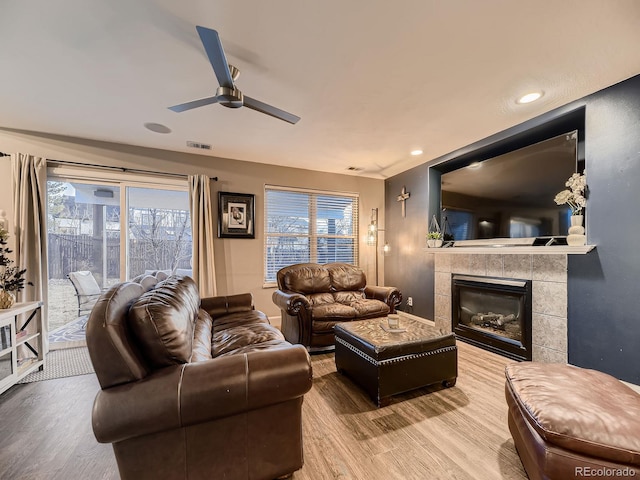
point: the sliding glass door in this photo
(100, 233)
(83, 229)
(159, 231)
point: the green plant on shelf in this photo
(434, 236)
(11, 278)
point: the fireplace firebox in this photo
(493, 313)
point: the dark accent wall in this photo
(408, 266)
(603, 286)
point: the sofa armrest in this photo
(254, 380)
(194, 393)
(389, 295)
(290, 302)
(137, 408)
(223, 305)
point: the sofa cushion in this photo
(348, 297)
(333, 312)
(114, 353)
(581, 410)
(346, 277)
(162, 321)
(369, 308)
(320, 298)
(242, 332)
(307, 279)
(239, 318)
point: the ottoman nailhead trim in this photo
(395, 359)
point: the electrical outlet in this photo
(409, 301)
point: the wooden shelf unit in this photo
(14, 362)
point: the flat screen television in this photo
(511, 195)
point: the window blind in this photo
(308, 226)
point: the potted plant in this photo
(11, 278)
(574, 196)
(434, 239)
(434, 234)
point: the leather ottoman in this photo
(569, 422)
(386, 363)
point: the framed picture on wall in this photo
(236, 214)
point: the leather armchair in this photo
(195, 389)
(313, 298)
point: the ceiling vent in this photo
(201, 146)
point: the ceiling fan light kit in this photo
(227, 94)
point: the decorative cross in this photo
(404, 195)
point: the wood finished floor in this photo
(432, 433)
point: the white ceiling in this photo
(371, 79)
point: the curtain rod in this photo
(119, 169)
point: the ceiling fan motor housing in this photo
(229, 97)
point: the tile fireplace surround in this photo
(548, 273)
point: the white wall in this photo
(6, 195)
(239, 262)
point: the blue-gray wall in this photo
(604, 285)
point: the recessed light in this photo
(530, 97)
(475, 165)
(416, 152)
(157, 127)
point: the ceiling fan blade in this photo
(212, 45)
(195, 104)
(259, 106)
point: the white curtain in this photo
(30, 223)
(203, 232)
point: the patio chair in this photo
(87, 290)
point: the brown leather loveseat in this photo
(194, 388)
(313, 298)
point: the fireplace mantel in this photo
(526, 250)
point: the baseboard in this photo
(276, 322)
(632, 386)
(415, 317)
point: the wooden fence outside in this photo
(70, 253)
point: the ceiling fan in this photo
(227, 94)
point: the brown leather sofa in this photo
(313, 298)
(193, 388)
(571, 422)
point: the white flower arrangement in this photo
(574, 195)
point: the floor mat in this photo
(67, 362)
(73, 334)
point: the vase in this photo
(7, 299)
(576, 235)
(434, 243)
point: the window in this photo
(308, 226)
(116, 228)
